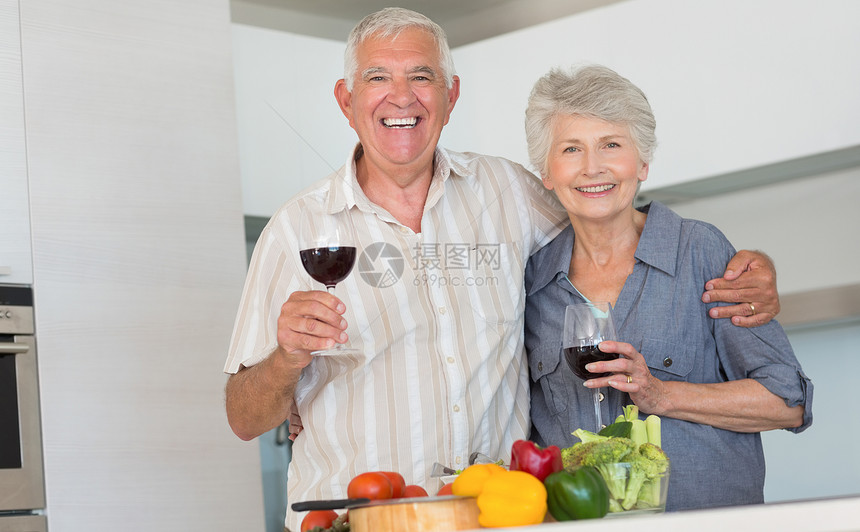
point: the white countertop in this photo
(820, 515)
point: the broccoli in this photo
(647, 463)
(608, 451)
(654, 453)
(572, 456)
(657, 464)
(637, 474)
(644, 466)
(605, 456)
(637, 483)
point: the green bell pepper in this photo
(580, 494)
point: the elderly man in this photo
(441, 367)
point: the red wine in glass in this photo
(585, 326)
(327, 249)
(578, 357)
(328, 265)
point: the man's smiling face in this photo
(399, 102)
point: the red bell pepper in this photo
(540, 462)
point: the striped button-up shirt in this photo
(437, 317)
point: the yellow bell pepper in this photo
(505, 498)
(471, 481)
(512, 498)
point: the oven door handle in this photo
(13, 349)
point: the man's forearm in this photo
(259, 398)
(749, 281)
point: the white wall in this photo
(808, 226)
(733, 84)
(291, 131)
(138, 263)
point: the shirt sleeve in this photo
(272, 276)
(542, 209)
(760, 353)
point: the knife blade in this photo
(327, 504)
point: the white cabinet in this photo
(138, 264)
(15, 250)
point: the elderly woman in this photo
(715, 386)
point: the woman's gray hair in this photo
(592, 91)
(389, 22)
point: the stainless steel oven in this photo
(22, 485)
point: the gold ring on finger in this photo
(629, 379)
(752, 308)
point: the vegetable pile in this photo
(620, 468)
(535, 484)
(373, 485)
(628, 456)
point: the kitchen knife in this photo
(327, 504)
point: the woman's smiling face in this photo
(593, 166)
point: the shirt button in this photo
(456, 408)
(600, 396)
(540, 366)
(667, 361)
(457, 460)
(450, 360)
(442, 310)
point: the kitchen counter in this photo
(820, 515)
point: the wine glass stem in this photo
(596, 395)
(337, 347)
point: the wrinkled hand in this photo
(645, 390)
(750, 281)
(311, 321)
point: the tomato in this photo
(373, 485)
(413, 490)
(445, 490)
(321, 518)
(398, 485)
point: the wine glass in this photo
(585, 326)
(327, 247)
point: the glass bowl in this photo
(633, 490)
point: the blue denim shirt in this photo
(660, 312)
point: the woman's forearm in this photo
(741, 406)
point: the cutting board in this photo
(421, 514)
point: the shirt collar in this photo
(552, 260)
(448, 162)
(658, 247)
(658, 244)
(344, 187)
(445, 165)
(346, 192)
